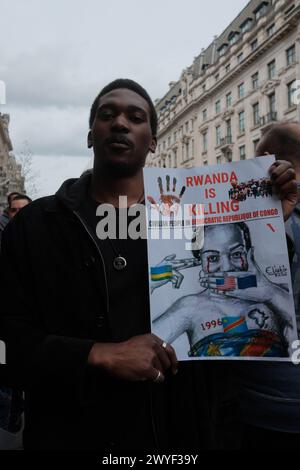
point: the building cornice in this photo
(285, 29)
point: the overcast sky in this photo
(56, 56)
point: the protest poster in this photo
(219, 277)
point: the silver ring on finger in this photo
(158, 378)
(164, 345)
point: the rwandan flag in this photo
(161, 273)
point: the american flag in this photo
(226, 283)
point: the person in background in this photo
(4, 217)
(17, 203)
(269, 393)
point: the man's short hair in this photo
(129, 85)
(20, 197)
(11, 196)
(281, 140)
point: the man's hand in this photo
(139, 359)
(283, 177)
(173, 265)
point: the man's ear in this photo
(153, 145)
(90, 140)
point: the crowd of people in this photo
(76, 322)
(253, 188)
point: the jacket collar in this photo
(70, 195)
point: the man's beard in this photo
(120, 169)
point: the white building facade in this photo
(11, 178)
(243, 82)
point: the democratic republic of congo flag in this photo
(235, 324)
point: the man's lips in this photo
(119, 146)
(119, 143)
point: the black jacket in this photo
(54, 278)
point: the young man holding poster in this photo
(78, 332)
(78, 329)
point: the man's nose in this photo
(226, 263)
(120, 123)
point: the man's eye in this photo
(213, 258)
(237, 255)
(137, 118)
(105, 115)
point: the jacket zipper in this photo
(101, 257)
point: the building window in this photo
(219, 160)
(175, 158)
(228, 156)
(272, 69)
(272, 103)
(256, 117)
(175, 136)
(243, 152)
(261, 10)
(233, 38)
(217, 76)
(227, 68)
(255, 81)
(169, 141)
(255, 144)
(223, 49)
(192, 149)
(289, 10)
(228, 100)
(240, 57)
(218, 136)
(242, 122)
(271, 30)
(241, 90)
(204, 88)
(205, 142)
(228, 129)
(291, 55)
(218, 107)
(205, 163)
(246, 25)
(204, 114)
(254, 45)
(292, 88)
